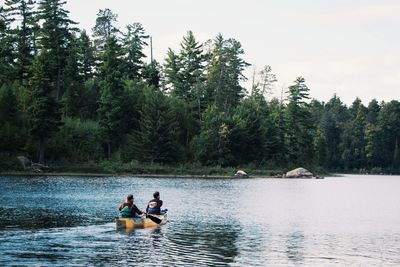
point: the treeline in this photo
(67, 96)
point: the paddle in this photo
(153, 218)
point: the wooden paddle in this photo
(154, 218)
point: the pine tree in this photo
(11, 130)
(44, 110)
(86, 58)
(7, 70)
(134, 42)
(298, 123)
(24, 34)
(55, 36)
(111, 93)
(104, 29)
(156, 141)
(225, 73)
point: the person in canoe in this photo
(154, 205)
(128, 209)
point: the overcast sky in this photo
(347, 47)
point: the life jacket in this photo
(126, 212)
(154, 206)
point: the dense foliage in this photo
(88, 98)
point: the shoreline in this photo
(132, 175)
(128, 175)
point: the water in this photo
(338, 221)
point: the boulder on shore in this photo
(241, 174)
(26, 163)
(299, 173)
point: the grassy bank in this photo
(12, 166)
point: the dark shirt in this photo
(150, 206)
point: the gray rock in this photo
(241, 174)
(26, 163)
(299, 173)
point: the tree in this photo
(388, 132)
(24, 35)
(250, 131)
(55, 36)
(111, 93)
(212, 145)
(11, 126)
(7, 70)
(156, 140)
(266, 83)
(353, 139)
(104, 29)
(133, 43)
(186, 69)
(225, 73)
(44, 110)
(72, 81)
(85, 53)
(332, 123)
(298, 123)
(152, 74)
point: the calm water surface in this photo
(338, 221)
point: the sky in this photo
(346, 47)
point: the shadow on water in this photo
(295, 247)
(36, 218)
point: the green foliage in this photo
(77, 141)
(156, 140)
(133, 44)
(11, 129)
(298, 123)
(44, 110)
(192, 116)
(212, 145)
(224, 74)
(111, 93)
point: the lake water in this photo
(338, 221)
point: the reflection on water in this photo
(59, 221)
(295, 247)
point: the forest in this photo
(70, 97)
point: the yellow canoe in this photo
(140, 222)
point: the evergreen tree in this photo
(44, 110)
(266, 83)
(250, 131)
(104, 29)
(373, 142)
(156, 141)
(7, 70)
(152, 74)
(133, 43)
(111, 93)
(23, 12)
(11, 130)
(389, 133)
(86, 59)
(55, 36)
(72, 81)
(298, 123)
(353, 139)
(333, 120)
(187, 67)
(225, 73)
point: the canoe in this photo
(139, 222)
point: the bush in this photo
(77, 141)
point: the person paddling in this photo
(128, 209)
(154, 205)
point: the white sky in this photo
(347, 47)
